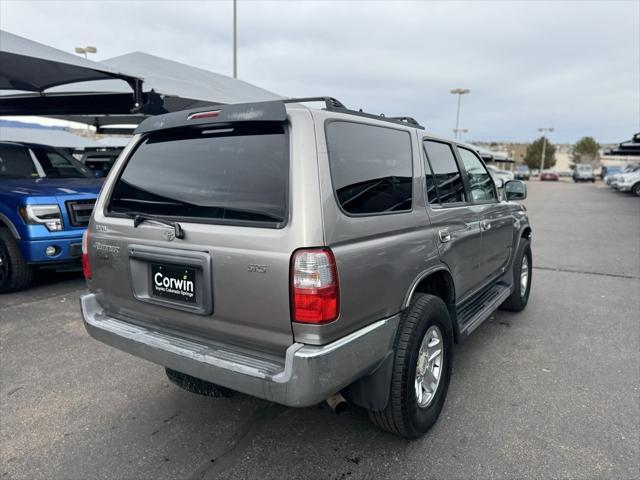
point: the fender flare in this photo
(4, 221)
(421, 276)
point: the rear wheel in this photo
(636, 189)
(196, 385)
(421, 369)
(15, 272)
(522, 269)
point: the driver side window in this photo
(480, 182)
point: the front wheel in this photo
(15, 272)
(636, 189)
(421, 369)
(522, 270)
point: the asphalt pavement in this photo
(553, 391)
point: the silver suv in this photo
(303, 254)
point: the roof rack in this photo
(335, 105)
(329, 102)
(408, 120)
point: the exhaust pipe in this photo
(337, 403)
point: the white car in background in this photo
(503, 175)
(628, 181)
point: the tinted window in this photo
(446, 175)
(480, 182)
(371, 167)
(16, 162)
(232, 175)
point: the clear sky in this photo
(573, 65)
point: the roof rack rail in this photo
(407, 120)
(330, 102)
(336, 105)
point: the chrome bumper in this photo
(306, 376)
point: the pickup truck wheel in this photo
(421, 369)
(15, 273)
(196, 385)
(522, 270)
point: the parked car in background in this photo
(609, 172)
(262, 276)
(629, 181)
(46, 199)
(614, 180)
(583, 172)
(502, 176)
(522, 172)
(100, 161)
(549, 175)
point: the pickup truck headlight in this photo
(47, 215)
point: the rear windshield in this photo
(235, 175)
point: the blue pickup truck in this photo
(46, 200)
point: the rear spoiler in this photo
(273, 111)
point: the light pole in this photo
(544, 146)
(235, 39)
(85, 50)
(459, 92)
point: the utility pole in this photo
(459, 92)
(235, 39)
(544, 145)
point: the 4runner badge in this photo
(169, 235)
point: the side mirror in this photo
(515, 190)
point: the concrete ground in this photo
(551, 392)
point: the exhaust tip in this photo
(338, 403)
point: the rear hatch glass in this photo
(236, 175)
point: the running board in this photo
(479, 307)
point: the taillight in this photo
(314, 286)
(86, 268)
(209, 114)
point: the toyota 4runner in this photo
(301, 254)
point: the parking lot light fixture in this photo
(85, 50)
(460, 130)
(459, 92)
(544, 145)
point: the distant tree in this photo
(586, 151)
(534, 152)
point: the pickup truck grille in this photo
(80, 212)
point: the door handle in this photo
(444, 235)
(485, 224)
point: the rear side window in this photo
(444, 184)
(371, 167)
(233, 175)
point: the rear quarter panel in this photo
(378, 256)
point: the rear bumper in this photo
(306, 376)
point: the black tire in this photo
(15, 273)
(636, 189)
(517, 302)
(402, 415)
(196, 385)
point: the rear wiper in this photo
(139, 218)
